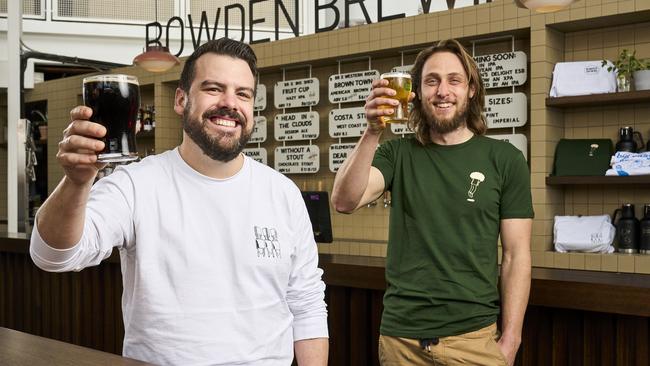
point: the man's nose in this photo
(443, 89)
(228, 100)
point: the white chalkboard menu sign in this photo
(260, 98)
(506, 110)
(338, 154)
(351, 87)
(299, 159)
(258, 154)
(297, 126)
(503, 69)
(399, 129)
(259, 130)
(518, 140)
(347, 122)
(296, 93)
(403, 68)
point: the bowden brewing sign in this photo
(220, 23)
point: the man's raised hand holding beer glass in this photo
(388, 101)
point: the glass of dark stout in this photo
(115, 101)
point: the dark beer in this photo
(115, 101)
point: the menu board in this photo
(347, 122)
(502, 69)
(260, 98)
(338, 154)
(297, 126)
(403, 68)
(296, 93)
(400, 129)
(259, 130)
(518, 140)
(297, 159)
(506, 110)
(351, 87)
(258, 154)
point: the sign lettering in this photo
(297, 159)
(297, 126)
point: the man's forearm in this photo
(351, 180)
(515, 289)
(60, 220)
(312, 352)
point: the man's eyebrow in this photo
(205, 83)
(208, 83)
(435, 74)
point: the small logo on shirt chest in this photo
(476, 178)
(266, 242)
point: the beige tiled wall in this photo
(546, 38)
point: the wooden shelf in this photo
(599, 99)
(595, 180)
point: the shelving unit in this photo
(597, 180)
(145, 134)
(595, 100)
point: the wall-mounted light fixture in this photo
(544, 6)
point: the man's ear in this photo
(180, 101)
(472, 91)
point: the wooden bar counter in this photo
(23, 349)
(574, 317)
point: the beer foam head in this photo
(395, 74)
(112, 78)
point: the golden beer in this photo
(401, 83)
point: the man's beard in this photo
(215, 146)
(443, 126)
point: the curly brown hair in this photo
(475, 119)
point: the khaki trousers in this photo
(474, 348)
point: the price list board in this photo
(351, 87)
(403, 68)
(300, 159)
(400, 129)
(258, 154)
(260, 98)
(338, 154)
(297, 126)
(506, 110)
(347, 122)
(503, 69)
(296, 93)
(518, 140)
(259, 130)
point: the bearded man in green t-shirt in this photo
(453, 192)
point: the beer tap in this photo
(30, 153)
(387, 199)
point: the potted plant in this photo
(627, 67)
(642, 76)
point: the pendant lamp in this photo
(544, 6)
(156, 58)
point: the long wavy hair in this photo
(418, 121)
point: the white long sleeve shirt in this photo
(215, 272)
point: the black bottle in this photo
(644, 242)
(626, 140)
(627, 229)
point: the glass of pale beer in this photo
(115, 101)
(401, 83)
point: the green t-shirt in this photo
(447, 203)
